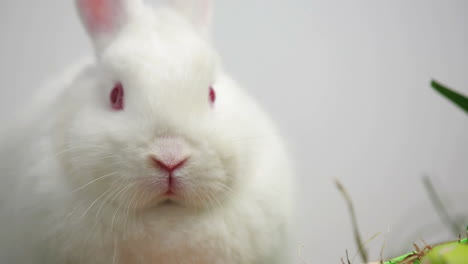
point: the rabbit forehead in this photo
(161, 40)
(152, 51)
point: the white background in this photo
(347, 82)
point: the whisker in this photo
(108, 197)
(118, 208)
(114, 259)
(95, 180)
(127, 211)
(95, 201)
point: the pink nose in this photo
(169, 166)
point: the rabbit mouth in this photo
(168, 202)
(172, 201)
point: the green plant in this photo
(455, 97)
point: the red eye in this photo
(117, 97)
(212, 95)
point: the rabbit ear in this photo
(104, 18)
(198, 12)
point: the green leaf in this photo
(457, 98)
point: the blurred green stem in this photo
(439, 206)
(357, 235)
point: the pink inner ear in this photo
(99, 14)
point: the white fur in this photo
(236, 202)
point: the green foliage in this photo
(457, 98)
(456, 253)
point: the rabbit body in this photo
(79, 181)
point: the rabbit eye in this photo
(117, 97)
(212, 95)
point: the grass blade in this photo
(457, 98)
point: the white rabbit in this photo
(148, 153)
